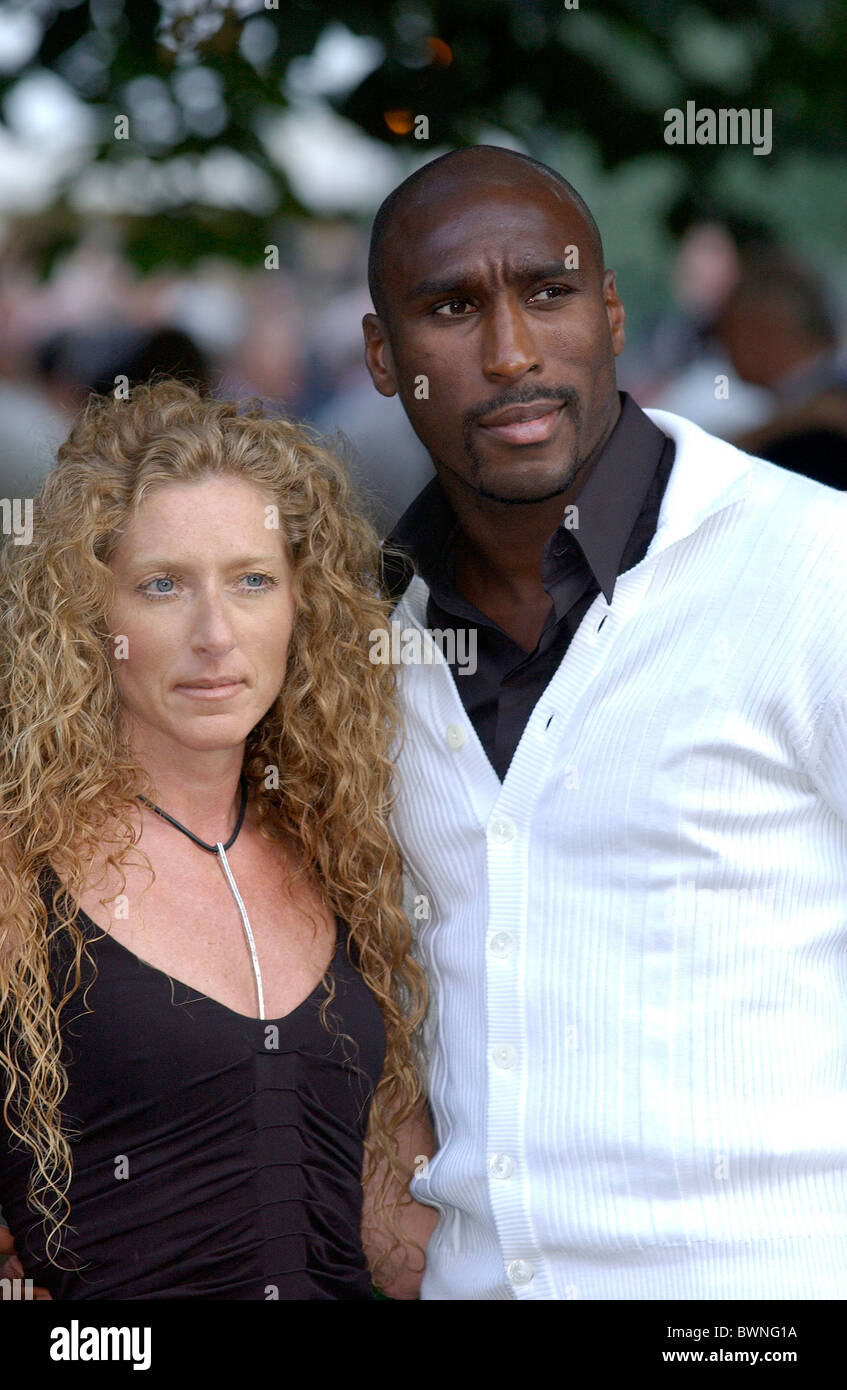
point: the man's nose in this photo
(509, 349)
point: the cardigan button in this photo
(502, 945)
(504, 1056)
(502, 830)
(520, 1272)
(501, 1166)
(456, 736)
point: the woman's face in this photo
(203, 593)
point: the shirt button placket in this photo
(506, 1189)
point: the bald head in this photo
(473, 171)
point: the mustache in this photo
(518, 395)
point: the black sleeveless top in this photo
(219, 1156)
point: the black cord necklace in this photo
(211, 849)
(220, 850)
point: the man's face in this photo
(500, 347)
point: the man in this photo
(780, 334)
(624, 824)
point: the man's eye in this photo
(554, 291)
(453, 308)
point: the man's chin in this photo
(512, 480)
(532, 485)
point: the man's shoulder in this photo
(792, 489)
(805, 515)
(797, 511)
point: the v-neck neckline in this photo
(104, 935)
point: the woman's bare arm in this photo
(409, 1225)
(12, 1271)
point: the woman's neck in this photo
(198, 787)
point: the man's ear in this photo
(380, 362)
(615, 311)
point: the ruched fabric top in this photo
(219, 1156)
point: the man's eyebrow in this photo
(467, 280)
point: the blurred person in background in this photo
(31, 429)
(88, 323)
(387, 459)
(682, 360)
(35, 413)
(32, 425)
(106, 360)
(267, 360)
(781, 334)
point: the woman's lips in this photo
(210, 692)
(534, 430)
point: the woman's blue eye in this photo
(152, 589)
(266, 582)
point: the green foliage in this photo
(536, 70)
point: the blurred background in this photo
(188, 187)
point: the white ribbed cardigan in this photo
(637, 943)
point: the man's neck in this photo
(499, 546)
(497, 563)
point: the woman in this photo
(208, 1006)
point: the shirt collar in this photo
(608, 506)
(610, 500)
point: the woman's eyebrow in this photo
(170, 562)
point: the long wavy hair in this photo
(66, 771)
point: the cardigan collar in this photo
(708, 475)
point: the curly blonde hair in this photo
(66, 771)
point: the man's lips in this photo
(524, 424)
